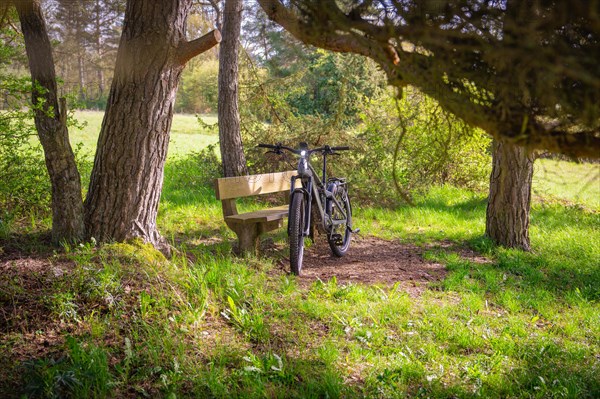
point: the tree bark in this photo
(50, 122)
(127, 177)
(100, 76)
(507, 216)
(81, 71)
(230, 139)
(98, 43)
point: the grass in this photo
(121, 320)
(186, 134)
(567, 181)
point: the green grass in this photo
(121, 320)
(567, 181)
(186, 133)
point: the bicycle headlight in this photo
(302, 153)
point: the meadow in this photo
(122, 321)
(186, 134)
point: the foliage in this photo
(471, 57)
(424, 144)
(95, 102)
(201, 168)
(334, 87)
(198, 91)
(24, 187)
(85, 38)
(435, 148)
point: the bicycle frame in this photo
(312, 187)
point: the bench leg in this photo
(248, 241)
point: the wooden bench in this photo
(249, 226)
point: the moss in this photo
(135, 250)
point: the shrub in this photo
(422, 145)
(192, 172)
(198, 91)
(25, 189)
(436, 148)
(24, 181)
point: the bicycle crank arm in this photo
(355, 231)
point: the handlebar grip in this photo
(343, 148)
(266, 146)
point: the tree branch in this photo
(188, 50)
(321, 37)
(218, 17)
(482, 90)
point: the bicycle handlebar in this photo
(278, 147)
(325, 149)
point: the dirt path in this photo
(371, 261)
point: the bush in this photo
(325, 85)
(436, 148)
(198, 90)
(25, 189)
(335, 86)
(193, 171)
(423, 145)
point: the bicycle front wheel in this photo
(341, 217)
(296, 229)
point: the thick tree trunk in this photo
(50, 121)
(126, 181)
(230, 139)
(507, 217)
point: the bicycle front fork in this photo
(306, 190)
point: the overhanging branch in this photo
(188, 50)
(451, 56)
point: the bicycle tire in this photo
(338, 248)
(295, 228)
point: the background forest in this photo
(472, 319)
(290, 92)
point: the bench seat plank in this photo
(261, 216)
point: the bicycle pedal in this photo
(355, 231)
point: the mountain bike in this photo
(333, 214)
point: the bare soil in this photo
(371, 261)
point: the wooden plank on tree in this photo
(262, 216)
(245, 186)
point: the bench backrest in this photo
(246, 186)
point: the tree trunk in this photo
(507, 217)
(230, 139)
(126, 181)
(50, 121)
(100, 75)
(98, 34)
(81, 71)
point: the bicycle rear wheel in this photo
(296, 229)
(341, 217)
